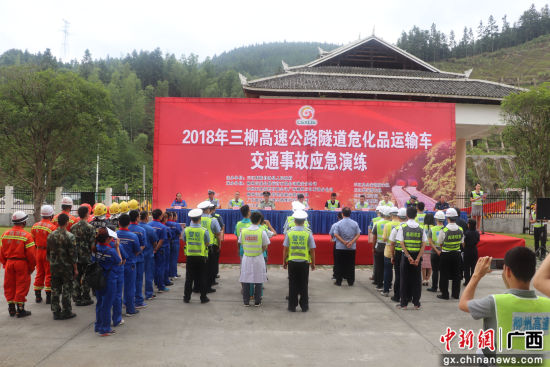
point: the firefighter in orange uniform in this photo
(66, 206)
(17, 254)
(40, 231)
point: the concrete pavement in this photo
(352, 326)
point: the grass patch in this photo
(529, 241)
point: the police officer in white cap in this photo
(214, 230)
(433, 236)
(289, 223)
(196, 240)
(298, 255)
(451, 239)
(396, 253)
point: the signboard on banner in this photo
(293, 146)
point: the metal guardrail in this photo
(500, 204)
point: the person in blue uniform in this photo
(140, 260)
(178, 201)
(167, 249)
(108, 257)
(118, 270)
(148, 255)
(173, 224)
(162, 238)
(130, 242)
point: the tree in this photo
(48, 120)
(527, 132)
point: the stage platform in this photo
(490, 245)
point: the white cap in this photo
(296, 205)
(439, 215)
(66, 201)
(204, 204)
(111, 233)
(379, 208)
(299, 214)
(19, 217)
(402, 213)
(46, 211)
(451, 213)
(195, 213)
(394, 210)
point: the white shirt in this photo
(411, 223)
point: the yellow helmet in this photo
(133, 204)
(123, 207)
(114, 208)
(100, 210)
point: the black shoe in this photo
(196, 291)
(431, 289)
(286, 298)
(87, 302)
(66, 316)
(338, 283)
(395, 299)
(169, 283)
(305, 309)
(21, 312)
(292, 309)
(11, 309)
(217, 276)
(205, 300)
(186, 300)
(350, 284)
(440, 296)
(57, 316)
(456, 297)
(38, 295)
(48, 298)
(215, 283)
(211, 290)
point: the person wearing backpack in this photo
(108, 258)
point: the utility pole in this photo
(97, 172)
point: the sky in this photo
(207, 28)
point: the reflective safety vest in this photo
(361, 206)
(452, 240)
(298, 245)
(206, 223)
(194, 241)
(420, 218)
(380, 230)
(386, 203)
(475, 195)
(398, 243)
(332, 206)
(412, 237)
(238, 203)
(434, 234)
(523, 314)
(239, 227)
(392, 225)
(252, 241)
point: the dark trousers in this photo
(334, 261)
(434, 259)
(411, 280)
(449, 267)
(397, 269)
(81, 290)
(213, 258)
(540, 236)
(379, 264)
(298, 280)
(388, 274)
(345, 266)
(470, 260)
(196, 271)
(247, 287)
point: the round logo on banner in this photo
(306, 114)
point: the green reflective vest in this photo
(380, 230)
(252, 241)
(394, 225)
(420, 218)
(206, 223)
(385, 203)
(194, 242)
(537, 224)
(239, 226)
(434, 234)
(452, 240)
(298, 248)
(361, 206)
(475, 195)
(332, 206)
(234, 203)
(521, 314)
(291, 223)
(412, 237)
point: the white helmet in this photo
(451, 213)
(19, 217)
(46, 211)
(394, 210)
(379, 208)
(402, 213)
(67, 201)
(439, 215)
(195, 213)
(296, 205)
(299, 214)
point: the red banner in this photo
(292, 146)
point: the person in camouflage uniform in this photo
(84, 234)
(61, 254)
